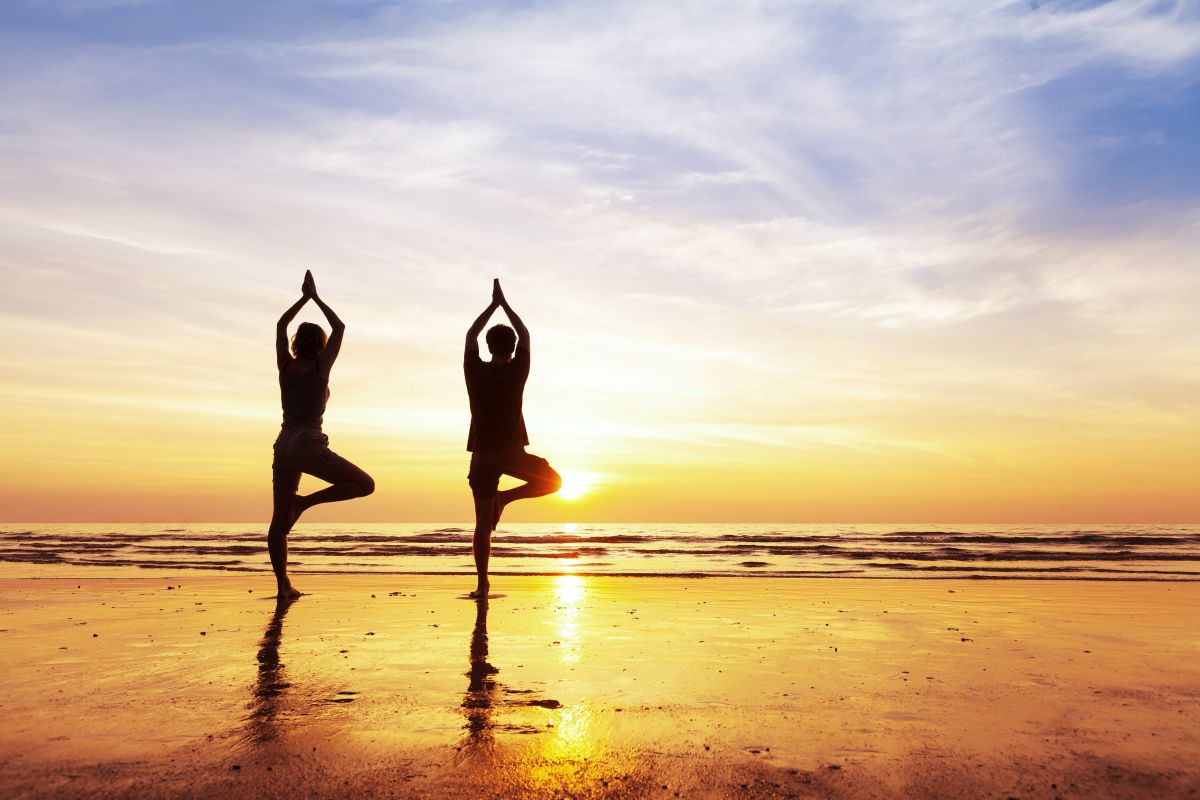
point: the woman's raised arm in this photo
(337, 327)
(283, 353)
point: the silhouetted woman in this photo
(301, 446)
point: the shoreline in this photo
(1142, 577)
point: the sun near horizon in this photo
(574, 485)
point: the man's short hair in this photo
(501, 340)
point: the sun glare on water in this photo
(575, 485)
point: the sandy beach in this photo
(599, 687)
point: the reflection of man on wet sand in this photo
(480, 702)
(481, 691)
(497, 441)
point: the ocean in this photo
(1092, 552)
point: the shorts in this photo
(488, 465)
(307, 450)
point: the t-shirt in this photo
(496, 391)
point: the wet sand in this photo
(599, 687)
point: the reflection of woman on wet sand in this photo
(271, 682)
(301, 446)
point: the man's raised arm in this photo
(471, 350)
(518, 325)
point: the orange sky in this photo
(167, 420)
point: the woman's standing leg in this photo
(285, 483)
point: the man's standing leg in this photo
(481, 543)
(484, 478)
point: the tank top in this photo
(304, 397)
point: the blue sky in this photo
(899, 230)
(1058, 106)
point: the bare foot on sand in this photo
(288, 592)
(481, 592)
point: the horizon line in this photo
(467, 523)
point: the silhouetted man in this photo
(497, 440)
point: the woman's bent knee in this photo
(368, 485)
